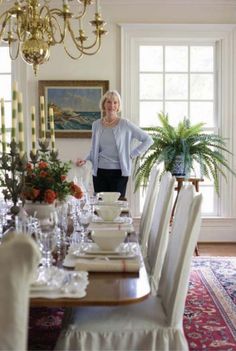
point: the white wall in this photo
(106, 64)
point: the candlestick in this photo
(52, 130)
(20, 125)
(42, 117)
(14, 111)
(3, 127)
(80, 23)
(33, 130)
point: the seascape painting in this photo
(75, 106)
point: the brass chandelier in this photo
(32, 27)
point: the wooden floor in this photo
(217, 249)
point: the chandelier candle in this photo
(20, 126)
(14, 111)
(52, 130)
(33, 130)
(3, 127)
(42, 117)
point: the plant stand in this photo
(180, 181)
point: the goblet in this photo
(85, 217)
(46, 237)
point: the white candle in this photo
(33, 129)
(3, 129)
(97, 6)
(20, 125)
(42, 118)
(14, 111)
(52, 130)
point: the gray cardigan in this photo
(125, 132)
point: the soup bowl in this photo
(108, 239)
(109, 196)
(108, 213)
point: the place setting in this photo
(110, 215)
(106, 252)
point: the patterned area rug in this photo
(210, 310)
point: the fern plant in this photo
(190, 141)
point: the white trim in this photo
(201, 3)
(213, 229)
(133, 34)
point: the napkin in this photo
(128, 227)
(106, 265)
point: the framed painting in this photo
(75, 104)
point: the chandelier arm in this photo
(83, 12)
(51, 15)
(62, 32)
(81, 47)
(71, 56)
(4, 23)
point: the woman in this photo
(111, 152)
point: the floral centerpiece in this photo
(46, 181)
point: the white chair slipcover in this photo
(159, 232)
(156, 323)
(148, 208)
(19, 258)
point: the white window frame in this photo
(132, 35)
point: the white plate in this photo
(93, 250)
(118, 220)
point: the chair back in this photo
(148, 207)
(19, 258)
(159, 232)
(174, 280)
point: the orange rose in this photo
(43, 174)
(76, 191)
(49, 196)
(43, 164)
(35, 193)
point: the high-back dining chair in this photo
(19, 258)
(159, 232)
(148, 208)
(156, 324)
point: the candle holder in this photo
(12, 179)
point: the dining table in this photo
(105, 288)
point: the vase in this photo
(41, 210)
(178, 168)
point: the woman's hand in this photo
(80, 162)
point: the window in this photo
(5, 86)
(199, 80)
(179, 79)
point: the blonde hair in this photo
(109, 95)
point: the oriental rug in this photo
(209, 318)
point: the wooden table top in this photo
(107, 289)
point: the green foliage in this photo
(208, 150)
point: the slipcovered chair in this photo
(156, 324)
(148, 208)
(19, 258)
(159, 232)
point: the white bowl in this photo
(108, 213)
(109, 196)
(108, 239)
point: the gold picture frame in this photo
(75, 104)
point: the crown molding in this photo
(225, 3)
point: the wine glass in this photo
(84, 218)
(46, 236)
